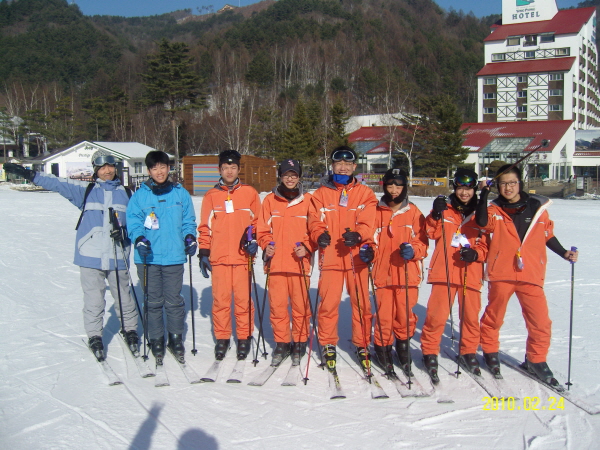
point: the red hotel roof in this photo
(528, 66)
(481, 134)
(566, 21)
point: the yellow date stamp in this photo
(525, 403)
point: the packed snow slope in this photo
(54, 395)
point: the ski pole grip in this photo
(298, 244)
(272, 243)
(249, 234)
(573, 249)
(365, 246)
(111, 217)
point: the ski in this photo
(291, 379)
(263, 376)
(213, 371)
(416, 389)
(190, 374)
(111, 376)
(335, 387)
(143, 369)
(567, 395)
(368, 377)
(238, 372)
(491, 386)
(161, 378)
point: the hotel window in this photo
(522, 109)
(522, 94)
(498, 57)
(489, 95)
(530, 40)
(546, 38)
(555, 107)
(522, 79)
(489, 81)
(556, 76)
(563, 51)
(515, 40)
(489, 110)
(529, 55)
(556, 92)
(137, 167)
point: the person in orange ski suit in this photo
(516, 264)
(227, 212)
(466, 250)
(341, 217)
(400, 247)
(282, 233)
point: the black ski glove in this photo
(117, 234)
(205, 266)
(407, 251)
(481, 215)
(439, 204)
(467, 254)
(143, 246)
(191, 245)
(366, 254)
(19, 171)
(324, 240)
(351, 238)
(248, 243)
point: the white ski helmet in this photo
(103, 157)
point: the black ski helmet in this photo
(399, 177)
(465, 178)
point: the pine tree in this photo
(338, 119)
(267, 133)
(299, 139)
(170, 81)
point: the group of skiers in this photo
(361, 242)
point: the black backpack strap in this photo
(85, 196)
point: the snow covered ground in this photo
(54, 396)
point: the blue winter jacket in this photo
(94, 248)
(176, 219)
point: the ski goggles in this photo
(465, 181)
(103, 160)
(343, 155)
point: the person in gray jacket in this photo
(95, 244)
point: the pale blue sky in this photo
(130, 8)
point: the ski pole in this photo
(372, 284)
(145, 308)
(131, 283)
(116, 227)
(360, 316)
(261, 313)
(407, 321)
(447, 277)
(314, 331)
(194, 351)
(568, 383)
(307, 298)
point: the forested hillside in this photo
(73, 77)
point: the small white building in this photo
(76, 161)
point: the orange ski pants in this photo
(438, 310)
(281, 287)
(535, 312)
(330, 289)
(228, 280)
(391, 302)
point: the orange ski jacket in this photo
(392, 229)
(326, 213)
(509, 259)
(221, 231)
(455, 222)
(285, 223)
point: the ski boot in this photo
(431, 365)
(385, 359)
(175, 346)
(158, 350)
(329, 355)
(492, 361)
(298, 351)
(282, 351)
(542, 371)
(403, 351)
(97, 347)
(132, 340)
(364, 358)
(221, 348)
(470, 363)
(243, 348)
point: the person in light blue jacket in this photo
(162, 224)
(95, 244)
